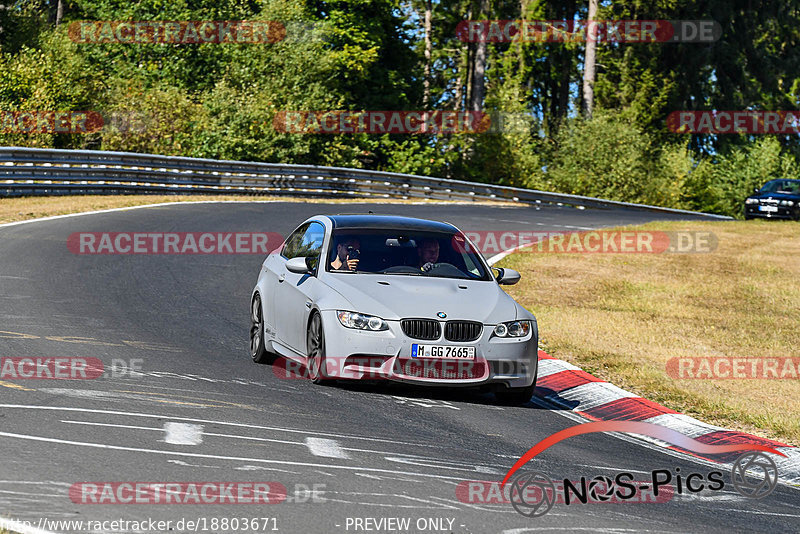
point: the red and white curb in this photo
(569, 387)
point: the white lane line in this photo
(157, 205)
(208, 421)
(111, 425)
(757, 512)
(38, 482)
(9, 492)
(518, 222)
(608, 530)
(448, 464)
(497, 257)
(183, 434)
(326, 448)
(574, 227)
(254, 438)
(220, 457)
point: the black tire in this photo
(258, 349)
(515, 396)
(315, 347)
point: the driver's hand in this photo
(352, 265)
(427, 267)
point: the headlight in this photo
(360, 321)
(787, 203)
(751, 201)
(513, 329)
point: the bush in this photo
(608, 157)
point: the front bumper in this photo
(784, 212)
(361, 355)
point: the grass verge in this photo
(621, 317)
(23, 208)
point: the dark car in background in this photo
(777, 199)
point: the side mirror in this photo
(299, 265)
(756, 189)
(506, 277)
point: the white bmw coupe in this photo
(371, 297)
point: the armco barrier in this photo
(39, 171)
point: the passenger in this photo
(347, 253)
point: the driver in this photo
(347, 253)
(428, 251)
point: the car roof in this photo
(389, 222)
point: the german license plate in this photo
(444, 352)
(768, 208)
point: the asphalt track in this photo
(372, 451)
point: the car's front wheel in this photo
(258, 347)
(515, 396)
(315, 345)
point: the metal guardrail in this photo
(38, 171)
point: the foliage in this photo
(221, 100)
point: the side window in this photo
(293, 242)
(471, 267)
(311, 244)
(306, 241)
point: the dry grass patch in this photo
(623, 316)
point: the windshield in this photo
(393, 252)
(782, 186)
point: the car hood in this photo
(399, 297)
(776, 196)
